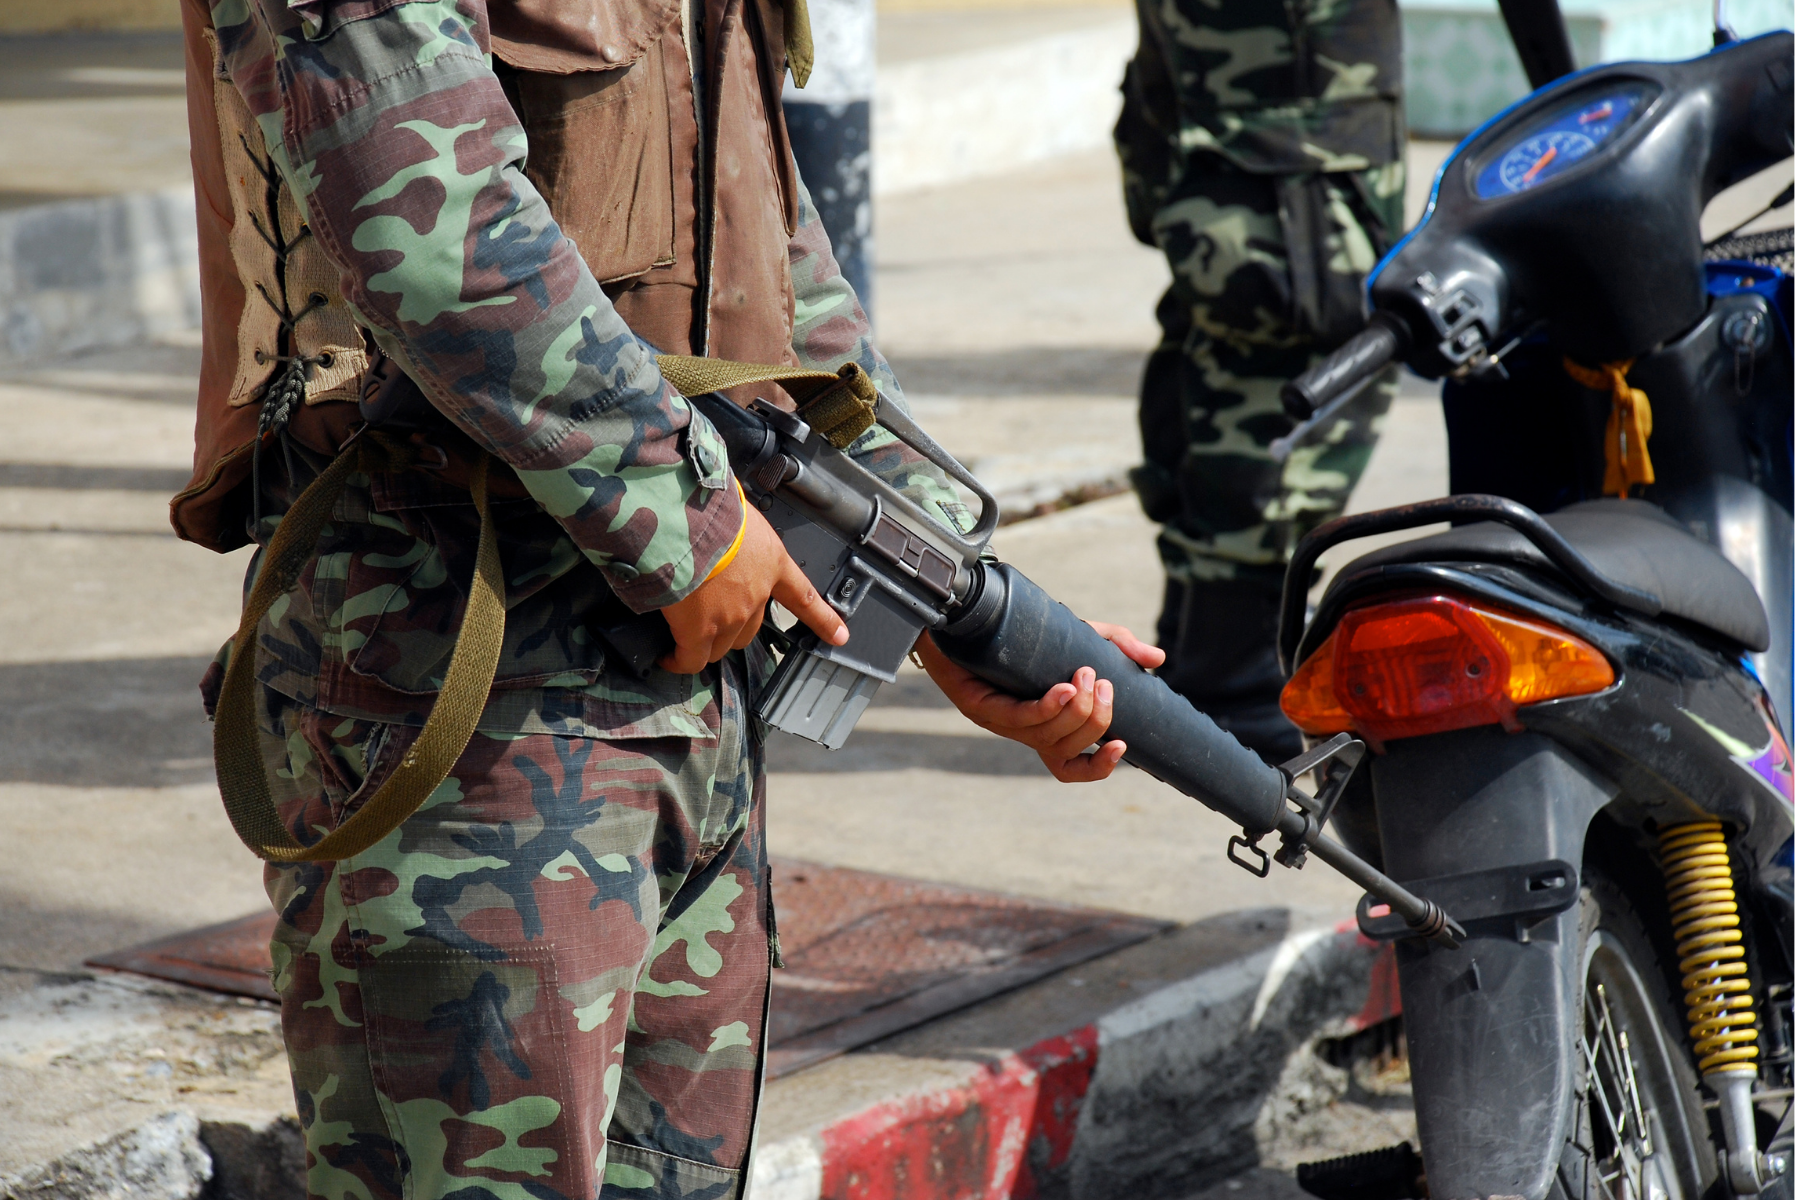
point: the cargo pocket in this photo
(406, 590)
(617, 202)
(1333, 239)
(477, 1032)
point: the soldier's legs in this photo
(1210, 407)
(550, 983)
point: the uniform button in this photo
(609, 53)
(707, 460)
(624, 572)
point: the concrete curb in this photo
(177, 1156)
(1165, 1089)
(1168, 1087)
(964, 116)
(162, 1159)
(111, 271)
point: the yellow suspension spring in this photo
(1703, 908)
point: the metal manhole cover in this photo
(232, 957)
(867, 955)
(870, 955)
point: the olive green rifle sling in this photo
(237, 745)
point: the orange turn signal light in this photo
(1436, 663)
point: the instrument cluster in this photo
(1560, 141)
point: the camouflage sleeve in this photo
(830, 329)
(387, 122)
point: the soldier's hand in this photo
(1062, 723)
(724, 613)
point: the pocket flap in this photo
(560, 38)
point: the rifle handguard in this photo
(1015, 636)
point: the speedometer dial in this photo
(1556, 141)
(1530, 161)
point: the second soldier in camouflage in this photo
(1263, 152)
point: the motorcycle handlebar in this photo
(1346, 370)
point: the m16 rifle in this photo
(892, 573)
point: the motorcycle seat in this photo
(1631, 541)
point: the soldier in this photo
(1262, 145)
(551, 980)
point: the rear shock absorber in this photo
(1703, 908)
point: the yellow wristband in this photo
(737, 542)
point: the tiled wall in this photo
(1461, 67)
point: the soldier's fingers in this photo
(689, 657)
(1002, 713)
(1133, 647)
(1086, 768)
(1096, 722)
(748, 631)
(1052, 736)
(796, 593)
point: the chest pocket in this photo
(600, 154)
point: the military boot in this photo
(1220, 639)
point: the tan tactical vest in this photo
(691, 245)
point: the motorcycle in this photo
(1580, 704)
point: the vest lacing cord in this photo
(286, 390)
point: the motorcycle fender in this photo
(1493, 1026)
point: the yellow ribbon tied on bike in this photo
(1627, 428)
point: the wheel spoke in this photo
(1613, 1087)
(1645, 1146)
(1637, 1122)
(1625, 1073)
(1598, 1079)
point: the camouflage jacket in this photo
(1269, 86)
(390, 128)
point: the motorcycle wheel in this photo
(1639, 1130)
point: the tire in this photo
(1610, 1154)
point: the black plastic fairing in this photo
(1492, 1026)
(1609, 275)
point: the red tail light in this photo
(1433, 664)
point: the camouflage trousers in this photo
(551, 983)
(1267, 274)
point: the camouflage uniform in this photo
(552, 980)
(553, 975)
(1262, 146)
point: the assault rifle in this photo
(892, 572)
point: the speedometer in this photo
(1553, 144)
(1526, 163)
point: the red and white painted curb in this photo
(1164, 1082)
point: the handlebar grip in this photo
(1015, 636)
(1346, 369)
